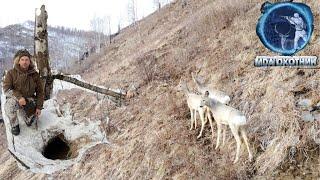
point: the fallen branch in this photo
(108, 92)
(22, 163)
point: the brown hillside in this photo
(150, 135)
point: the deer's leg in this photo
(219, 133)
(224, 135)
(235, 132)
(210, 121)
(201, 113)
(206, 112)
(245, 139)
(195, 119)
(191, 112)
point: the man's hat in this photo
(22, 52)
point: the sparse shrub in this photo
(147, 68)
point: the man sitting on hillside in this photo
(24, 92)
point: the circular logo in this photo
(285, 28)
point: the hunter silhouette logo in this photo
(285, 27)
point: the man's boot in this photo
(15, 130)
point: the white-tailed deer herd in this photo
(213, 103)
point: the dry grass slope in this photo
(150, 134)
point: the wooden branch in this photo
(22, 163)
(89, 86)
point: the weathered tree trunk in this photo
(42, 61)
(41, 50)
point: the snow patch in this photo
(29, 144)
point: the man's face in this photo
(24, 62)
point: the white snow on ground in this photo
(29, 144)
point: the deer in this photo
(227, 115)
(194, 102)
(215, 94)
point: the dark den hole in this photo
(57, 148)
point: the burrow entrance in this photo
(59, 148)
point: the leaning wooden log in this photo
(91, 87)
(19, 160)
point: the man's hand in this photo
(38, 112)
(22, 101)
